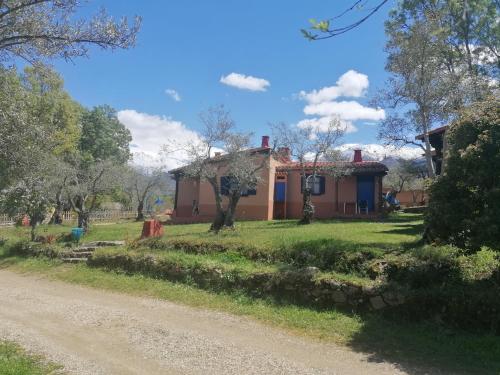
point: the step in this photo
(74, 260)
(84, 249)
(103, 243)
(78, 254)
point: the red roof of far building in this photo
(358, 167)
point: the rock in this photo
(311, 271)
(339, 296)
(377, 302)
(393, 298)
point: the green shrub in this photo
(30, 249)
(464, 204)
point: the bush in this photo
(464, 204)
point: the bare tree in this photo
(309, 146)
(240, 164)
(38, 29)
(86, 183)
(142, 182)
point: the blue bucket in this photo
(77, 233)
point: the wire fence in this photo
(102, 216)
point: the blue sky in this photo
(188, 46)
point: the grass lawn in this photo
(409, 344)
(15, 361)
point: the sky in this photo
(247, 55)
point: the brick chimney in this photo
(265, 141)
(358, 158)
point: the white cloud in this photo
(150, 133)
(376, 151)
(323, 123)
(322, 103)
(173, 94)
(244, 82)
(346, 110)
(350, 84)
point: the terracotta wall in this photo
(252, 207)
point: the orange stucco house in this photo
(278, 194)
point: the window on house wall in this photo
(227, 184)
(316, 184)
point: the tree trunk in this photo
(83, 220)
(231, 210)
(219, 220)
(307, 207)
(220, 216)
(57, 215)
(140, 211)
(428, 157)
(33, 224)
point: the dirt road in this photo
(97, 332)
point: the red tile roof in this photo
(360, 167)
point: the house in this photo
(278, 194)
(437, 139)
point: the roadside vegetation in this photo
(236, 271)
(15, 361)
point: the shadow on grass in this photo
(426, 348)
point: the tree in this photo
(240, 164)
(32, 194)
(35, 114)
(406, 175)
(103, 137)
(417, 90)
(464, 205)
(35, 30)
(142, 182)
(309, 145)
(85, 182)
(443, 56)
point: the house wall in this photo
(252, 207)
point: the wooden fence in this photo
(104, 216)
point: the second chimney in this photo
(358, 158)
(265, 141)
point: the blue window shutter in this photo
(321, 185)
(224, 185)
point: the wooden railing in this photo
(71, 217)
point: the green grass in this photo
(406, 343)
(124, 230)
(424, 345)
(15, 361)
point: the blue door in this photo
(279, 191)
(366, 191)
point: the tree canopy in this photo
(464, 206)
(35, 30)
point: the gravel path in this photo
(97, 332)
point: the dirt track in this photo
(97, 332)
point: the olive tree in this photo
(33, 193)
(141, 183)
(35, 30)
(309, 146)
(86, 182)
(241, 165)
